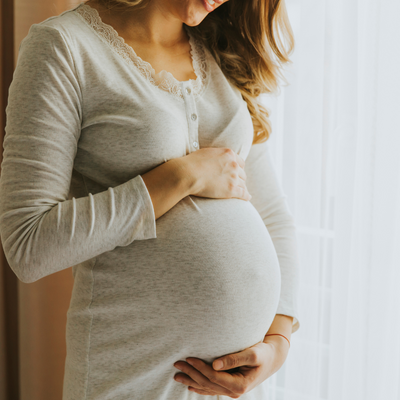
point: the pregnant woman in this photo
(136, 153)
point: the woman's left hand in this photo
(240, 373)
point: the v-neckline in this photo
(164, 80)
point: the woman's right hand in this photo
(215, 172)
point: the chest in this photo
(129, 126)
(177, 61)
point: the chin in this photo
(192, 23)
(194, 13)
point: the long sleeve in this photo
(43, 230)
(270, 201)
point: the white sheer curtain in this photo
(336, 146)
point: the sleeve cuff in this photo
(148, 226)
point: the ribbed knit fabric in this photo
(85, 118)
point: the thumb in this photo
(234, 360)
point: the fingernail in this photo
(218, 364)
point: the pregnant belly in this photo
(209, 283)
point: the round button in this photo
(194, 117)
(188, 90)
(195, 144)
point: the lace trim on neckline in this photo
(164, 80)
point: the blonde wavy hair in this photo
(250, 40)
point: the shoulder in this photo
(48, 50)
(61, 32)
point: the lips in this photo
(210, 7)
(207, 6)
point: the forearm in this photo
(167, 185)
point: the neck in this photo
(154, 25)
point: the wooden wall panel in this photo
(33, 316)
(9, 364)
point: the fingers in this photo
(242, 192)
(188, 381)
(225, 381)
(233, 155)
(239, 160)
(248, 357)
(242, 174)
(196, 379)
(200, 391)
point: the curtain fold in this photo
(340, 165)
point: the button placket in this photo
(191, 115)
